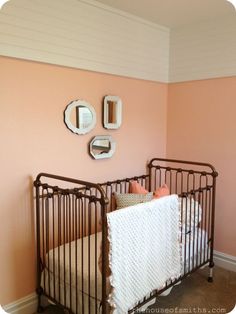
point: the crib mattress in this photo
(59, 277)
(62, 265)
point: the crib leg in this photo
(210, 278)
(40, 308)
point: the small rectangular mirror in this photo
(112, 112)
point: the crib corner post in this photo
(104, 250)
(211, 263)
(211, 266)
(40, 308)
(39, 289)
(149, 166)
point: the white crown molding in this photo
(125, 14)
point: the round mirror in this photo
(80, 117)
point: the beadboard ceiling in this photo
(174, 13)
(143, 39)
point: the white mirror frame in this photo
(118, 111)
(67, 115)
(105, 155)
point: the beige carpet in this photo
(195, 295)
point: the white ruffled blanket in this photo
(145, 250)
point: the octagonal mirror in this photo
(102, 146)
(80, 117)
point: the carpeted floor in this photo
(194, 295)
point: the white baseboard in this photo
(225, 261)
(26, 305)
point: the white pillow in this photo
(191, 213)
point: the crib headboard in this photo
(181, 176)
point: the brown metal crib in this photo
(71, 227)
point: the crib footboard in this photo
(69, 213)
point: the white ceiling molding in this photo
(174, 13)
(2, 2)
(86, 35)
(203, 51)
(131, 16)
(159, 12)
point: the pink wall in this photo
(34, 138)
(202, 126)
(33, 96)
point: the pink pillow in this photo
(135, 187)
(161, 191)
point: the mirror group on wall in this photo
(80, 118)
